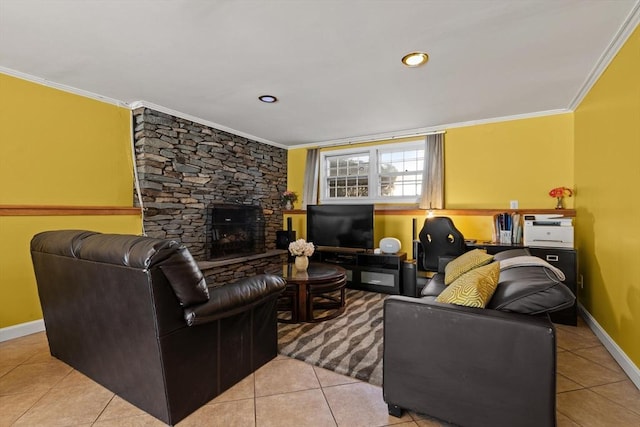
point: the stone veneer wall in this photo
(184, 166)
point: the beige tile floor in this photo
(38, 390)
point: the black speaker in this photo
(414, 229)
(289, 224)
(418, 254)
(283, 238)
(409, 279)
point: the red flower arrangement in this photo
(561, 192)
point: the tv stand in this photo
(366, 270)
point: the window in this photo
(384, 174)
(348, 175)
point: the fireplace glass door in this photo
(235, 230)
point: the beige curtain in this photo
(310, 189)
(433, 174)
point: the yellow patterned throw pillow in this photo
(465, 262)
(474, 288)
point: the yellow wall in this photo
(57, 149)
(607, 156)
(19, 301)
(62, 149)
(486, 166)
(296, 161)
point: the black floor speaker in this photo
(283, 238)
(409, 279)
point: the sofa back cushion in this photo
(434, 286)
(527, 289)
(140, 252)
(530, 290)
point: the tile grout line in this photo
(602, 366)
(104, 409)
(255, 396)
(325, 398)
(24, 362)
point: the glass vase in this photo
(560, 203)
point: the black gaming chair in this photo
(439, 238)
(440, 242)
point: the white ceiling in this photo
(334, 65)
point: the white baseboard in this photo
(21, 330)
(623, 360)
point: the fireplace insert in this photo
(234, 230)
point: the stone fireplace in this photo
(184, 168)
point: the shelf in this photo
(449, 212)
(41, 210)
(205, 265)
(368, 271)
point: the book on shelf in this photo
(507, 228)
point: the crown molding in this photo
(62, 87)
(625, 31)
(409, 133)
(133, 105)
(145, 104)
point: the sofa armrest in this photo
(227, 300)
(469, 366)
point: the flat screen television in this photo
(340, 226)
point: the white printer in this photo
(548, 231)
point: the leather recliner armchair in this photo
(135, 314)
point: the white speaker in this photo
(389, 245)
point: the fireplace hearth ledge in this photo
(206, 265)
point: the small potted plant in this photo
(288, 198)
(560, 193)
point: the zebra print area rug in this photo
(350, 344)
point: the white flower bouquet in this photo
(301, 248)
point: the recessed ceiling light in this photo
(415, 59)
(269, 99)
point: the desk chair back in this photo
(439, 237)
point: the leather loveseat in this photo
(492, 366)
(135, 314)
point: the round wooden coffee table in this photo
(320, 287)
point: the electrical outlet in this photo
(513, 204)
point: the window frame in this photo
(373, 176)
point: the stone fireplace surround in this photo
(184, 167)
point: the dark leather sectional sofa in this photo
(135, 314)
(493, 366)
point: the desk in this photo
(493, 248)
(313, 289)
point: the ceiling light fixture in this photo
(269, 99)
(415, 59)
